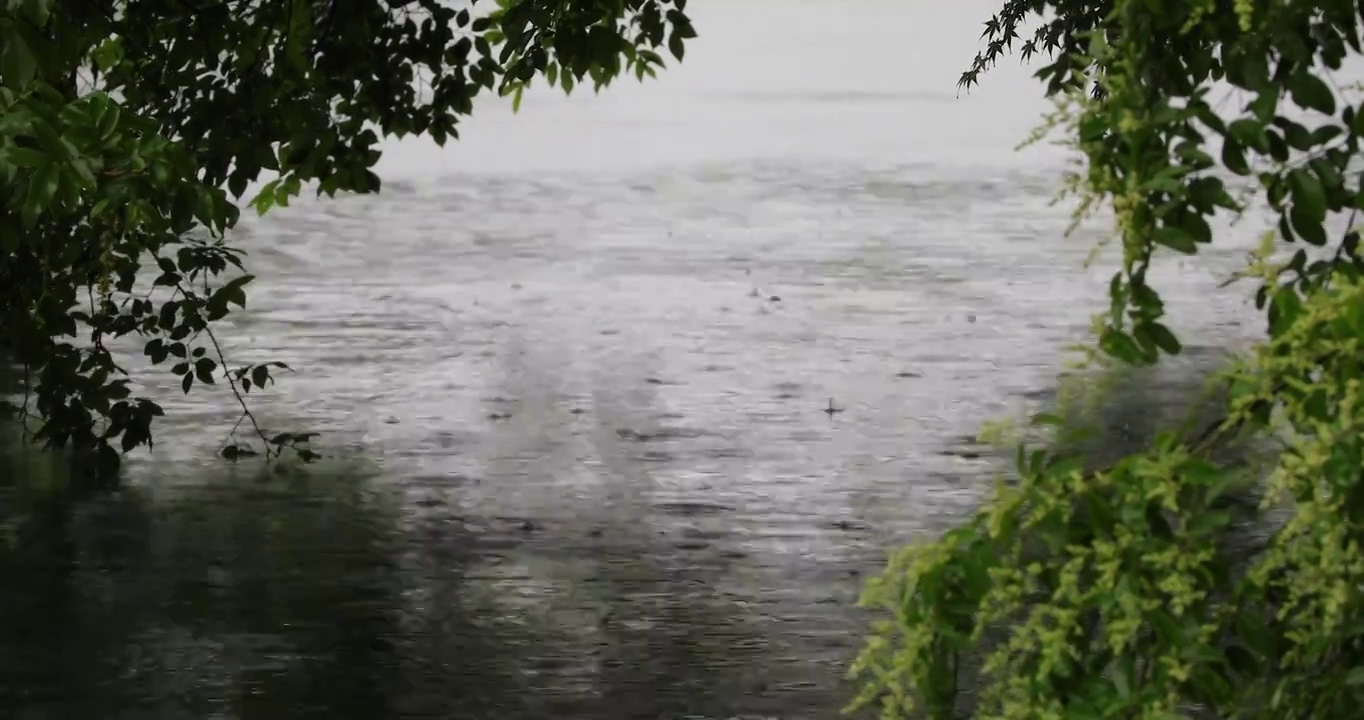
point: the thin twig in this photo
(232, 432)
(231, 383)
(236, 392)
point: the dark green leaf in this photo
(1278, 149)
(1163, 338)
(1196, 226)
(18, 66)
(1146, 298)
(1326, 133)
(106, 123)
(42, 189)
(1285, 231)
(1265, 103)
(1250, 134)
(1209, 117)
(1311, 92)
(1176, 239)
(1308, 227)
(233, 452)
(231, 292)
(1190, 151)
(203, 370)
(108, 54)
(1295, 134)
(1307, 194)
(1122, 346)
(1208, 193)
(156, 350)
(1234, 157)
(27, 157)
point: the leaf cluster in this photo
(1113, 592)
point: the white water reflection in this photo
(864, 81)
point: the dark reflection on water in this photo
(332, 593)
(230, 601)
(301, 596)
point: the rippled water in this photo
(570, 376)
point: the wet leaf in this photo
(18, 66)
(203, 370)
(1163, 338)
(676, 46)
(1307, 194)
(1234, 158)
(27, 157)
(1310, 91)
(1307, 225)
(231, 292)
(1176, 239)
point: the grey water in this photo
(570, 376)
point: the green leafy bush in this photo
(1112, 590)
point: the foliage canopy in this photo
(129, 127)
(1112, 593)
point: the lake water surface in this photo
(569, 375)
